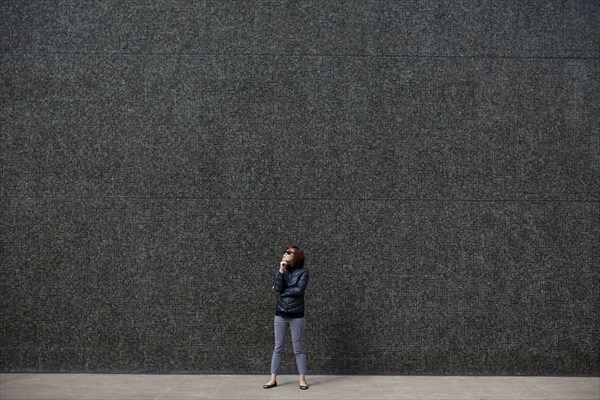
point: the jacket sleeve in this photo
(278, 281)
(298, 290)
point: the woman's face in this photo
(289, 256)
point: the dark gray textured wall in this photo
(438, 162)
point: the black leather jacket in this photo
(290, 287)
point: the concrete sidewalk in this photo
(248, 387)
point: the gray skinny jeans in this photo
(281, 326)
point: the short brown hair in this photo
(299, 257)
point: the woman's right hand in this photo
(282, 266)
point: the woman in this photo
(290, 280)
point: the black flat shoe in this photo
(303, 387)
(267, 386)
